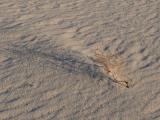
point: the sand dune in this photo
(48, 67)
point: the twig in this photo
(108, 67)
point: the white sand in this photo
(33, 88)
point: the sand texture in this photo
(79, 59)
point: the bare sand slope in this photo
(46, 70)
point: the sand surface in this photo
(48, 69)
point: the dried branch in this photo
(109, 68)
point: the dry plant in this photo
(111, 66)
